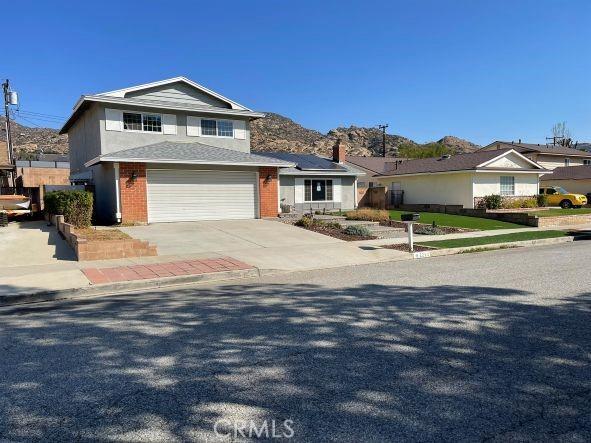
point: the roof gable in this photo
(532, 147)
(189, 85)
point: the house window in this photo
(318, 190)
(587, 162)
(567, 162)
(217, 128)
(507, 185)
(133, 121)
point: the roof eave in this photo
(97, 160)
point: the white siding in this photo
(489, 183)
(442, 189)
(187, 195)
(113, 120)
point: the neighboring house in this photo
(171, 150)
(549, 156)
(317, 183)
(463, 179)
(372, 166)
(34, 176)
(575, 179)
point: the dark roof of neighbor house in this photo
(569, 173)
(459, 162)
(190, 153)
(541, 148)
(310, 163)
(376, 165)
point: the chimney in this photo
(519, 141)
(338, 152)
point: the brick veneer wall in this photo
(268, 198)
(134, 202)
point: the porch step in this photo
(368, 224)
(386, 231)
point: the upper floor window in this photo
(567, 162)
(507, 185)
(587, 162)
(217, 128)
(133, 121)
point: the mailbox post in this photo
(409, 220)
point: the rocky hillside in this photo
(29, 141)
(272, 133)
(278, 133)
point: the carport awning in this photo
(189, 154)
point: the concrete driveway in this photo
(268, 245)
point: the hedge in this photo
(75, 206)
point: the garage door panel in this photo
(184, 195)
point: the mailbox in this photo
(410, 217)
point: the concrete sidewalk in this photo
(51, 268)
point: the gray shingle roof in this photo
(459, 162)
(192, 153)
(377, 165)
(569, 173)
(308, 163)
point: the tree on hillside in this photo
(407, 150)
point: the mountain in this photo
(29, 141)
(274, 132)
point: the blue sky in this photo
(480, 70)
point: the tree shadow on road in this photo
(367, 363)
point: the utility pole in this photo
(383, 129)
(10, 98)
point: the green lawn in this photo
(554, 212)
(504, 238)
(459, 221)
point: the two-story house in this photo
(548, 156)
(171, 150)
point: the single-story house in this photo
(549, 156)
(463, 179)
(575, 179)
(316, 183)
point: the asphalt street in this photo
(491, 346)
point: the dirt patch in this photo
(338, 233)
(102, 234)
(404, 247)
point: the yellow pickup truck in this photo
(557, 196)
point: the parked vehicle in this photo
(558, 196)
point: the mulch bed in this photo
(404, 247)
(101, 234)
(337, 233)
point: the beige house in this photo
(463, 179)
(575, 179)
(549, 156)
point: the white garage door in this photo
(184, 195)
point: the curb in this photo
(495, 246)
(110, 288)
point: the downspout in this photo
(355, 192)
(117, 194)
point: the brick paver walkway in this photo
(158, 270)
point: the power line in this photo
(41, 114)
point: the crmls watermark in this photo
(254, 429)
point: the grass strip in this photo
(493, 239)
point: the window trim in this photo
(566, 161)
(216, 120)
(325, 180)
(587, 162)
(123, 112)
(504, 194)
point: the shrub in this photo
(75, 206)
(305, 222)
(368, 214)
(529, 202)
(542, 200)
(332, 225)
(360, 231)
(492, 201)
